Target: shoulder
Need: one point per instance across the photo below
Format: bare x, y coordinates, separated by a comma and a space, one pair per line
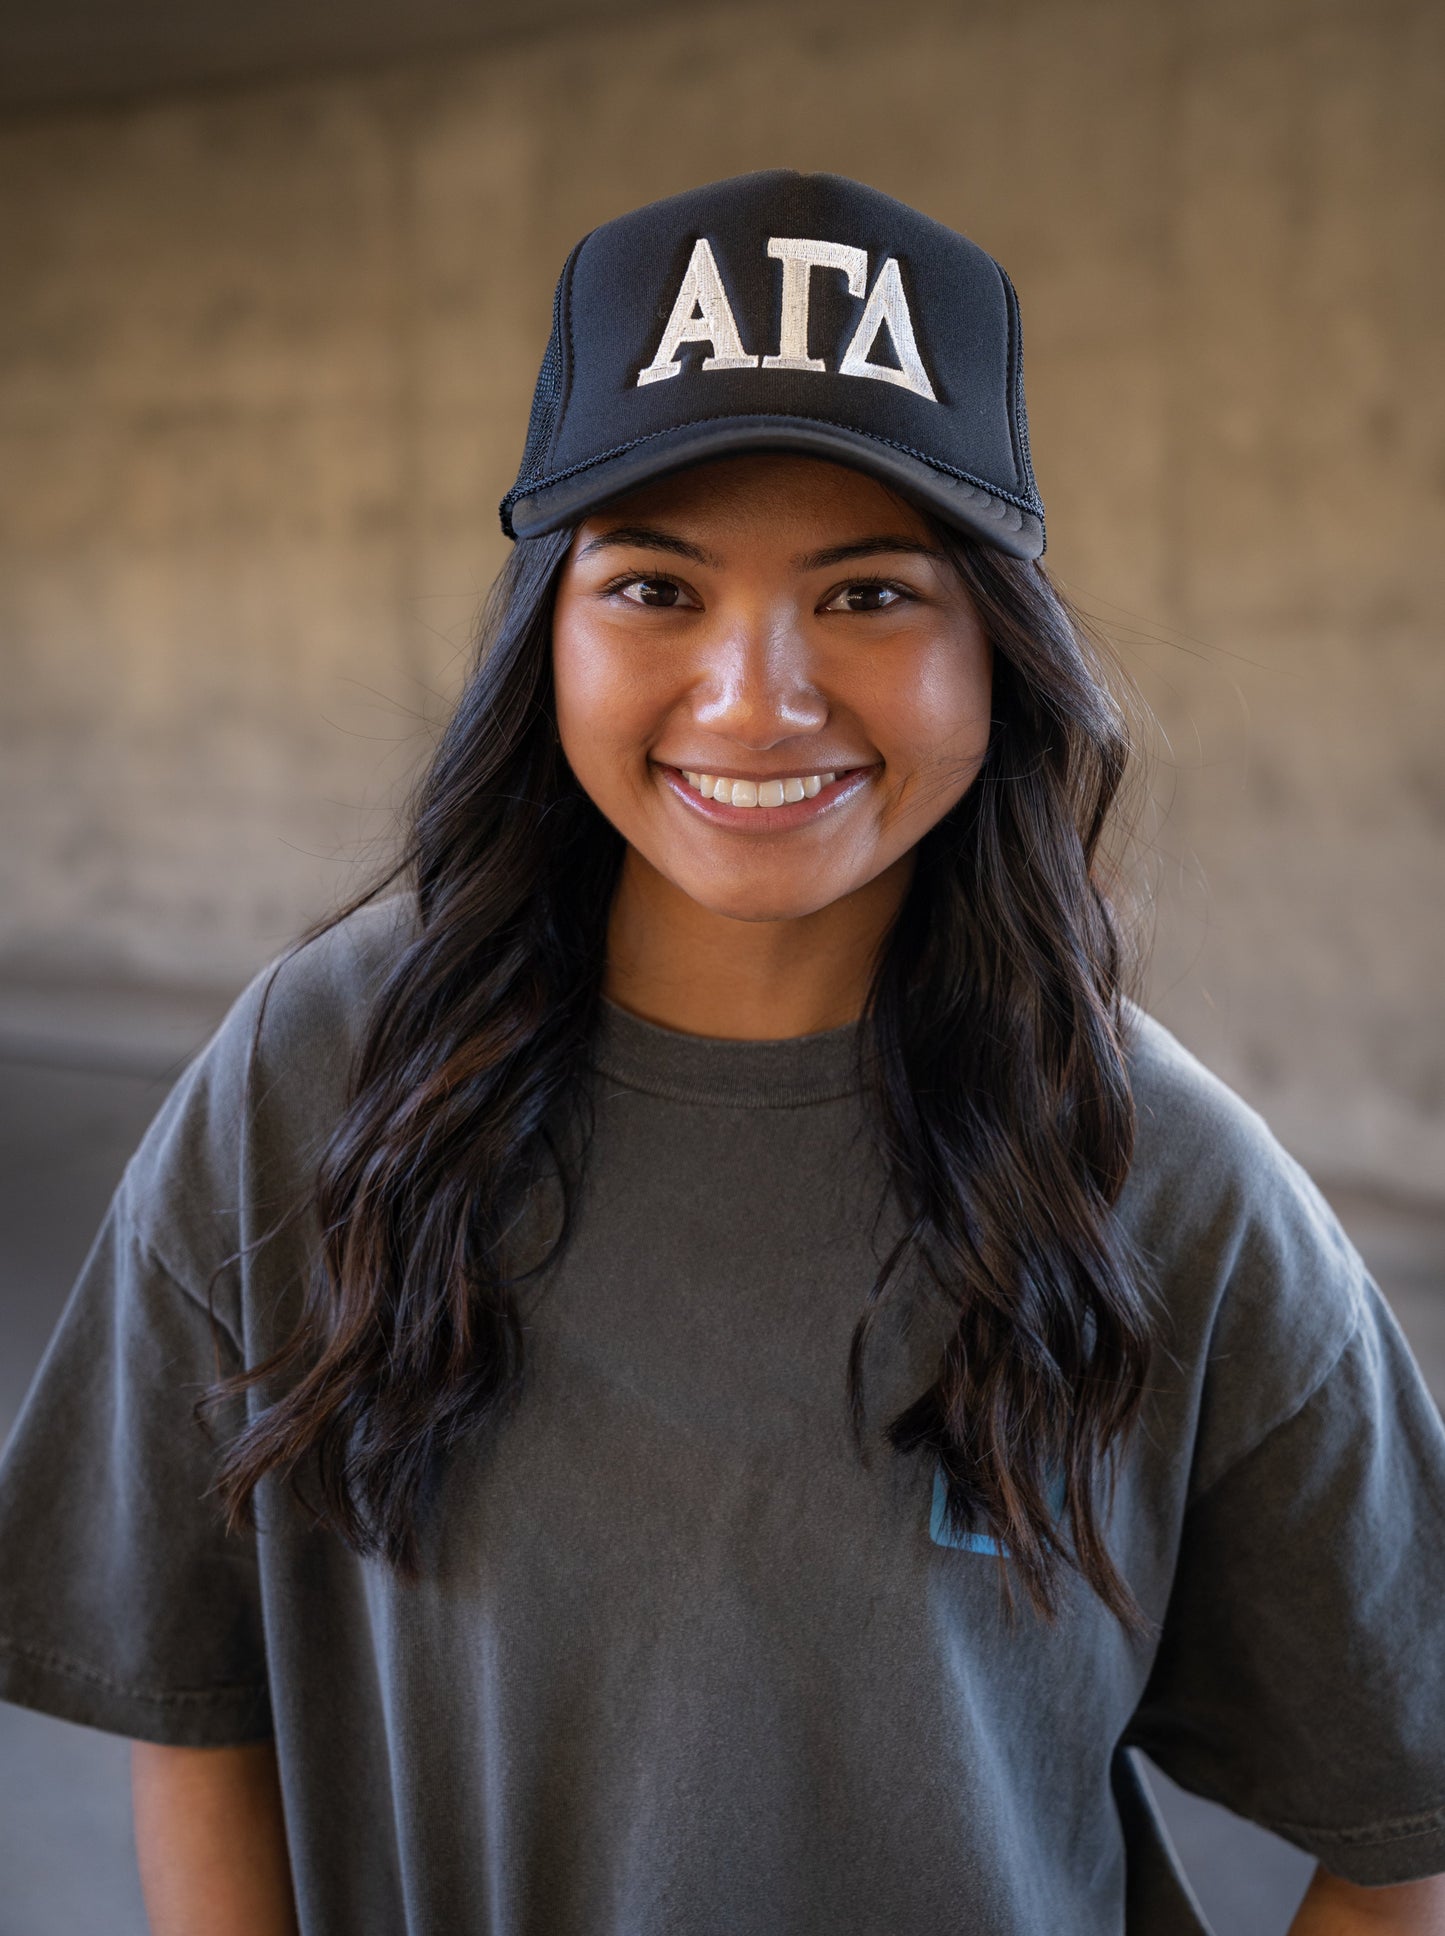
245, 1123
1202, 1153
1186, 1113
1258, 1287
314, 1000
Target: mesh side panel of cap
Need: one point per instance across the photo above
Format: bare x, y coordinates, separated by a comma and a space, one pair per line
544, 407
547, 398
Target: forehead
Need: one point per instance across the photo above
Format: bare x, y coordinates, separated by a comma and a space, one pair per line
770, 491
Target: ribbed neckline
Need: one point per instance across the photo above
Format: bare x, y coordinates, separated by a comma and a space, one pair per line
716, 1069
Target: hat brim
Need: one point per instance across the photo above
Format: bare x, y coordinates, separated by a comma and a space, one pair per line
964, 503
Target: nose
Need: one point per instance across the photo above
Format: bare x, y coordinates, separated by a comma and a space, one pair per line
756, 680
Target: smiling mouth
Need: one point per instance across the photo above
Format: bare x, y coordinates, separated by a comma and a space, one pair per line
759, 793
770, 804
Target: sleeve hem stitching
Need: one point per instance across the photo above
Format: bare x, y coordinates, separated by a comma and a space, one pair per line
73, 1670
1402, 1829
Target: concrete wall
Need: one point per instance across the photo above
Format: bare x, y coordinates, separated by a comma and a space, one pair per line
265, 360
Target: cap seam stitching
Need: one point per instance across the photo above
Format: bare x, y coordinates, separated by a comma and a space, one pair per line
536, 485
568, 271
1013, 360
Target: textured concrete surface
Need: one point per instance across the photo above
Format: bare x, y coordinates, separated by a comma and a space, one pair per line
66, 1861
265, 360
91, 50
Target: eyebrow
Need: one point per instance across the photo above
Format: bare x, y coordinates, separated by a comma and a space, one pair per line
867, 548
643, 537
648, 538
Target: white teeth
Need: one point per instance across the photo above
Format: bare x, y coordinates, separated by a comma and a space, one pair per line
758, 793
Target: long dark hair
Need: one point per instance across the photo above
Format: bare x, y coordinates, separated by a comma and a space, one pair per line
1000, 1099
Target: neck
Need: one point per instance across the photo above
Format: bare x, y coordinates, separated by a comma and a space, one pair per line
684, 966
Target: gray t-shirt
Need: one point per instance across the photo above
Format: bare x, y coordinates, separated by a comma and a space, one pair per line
680, 1662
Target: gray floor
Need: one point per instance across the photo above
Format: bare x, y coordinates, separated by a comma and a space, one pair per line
66, 1862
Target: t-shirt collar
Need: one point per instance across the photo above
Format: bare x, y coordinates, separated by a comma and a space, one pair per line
742, 1074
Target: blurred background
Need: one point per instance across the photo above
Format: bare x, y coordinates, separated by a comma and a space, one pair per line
276, 283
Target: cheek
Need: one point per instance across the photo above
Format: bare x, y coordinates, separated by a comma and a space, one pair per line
601, 700
582, 675
959, 703
938, 710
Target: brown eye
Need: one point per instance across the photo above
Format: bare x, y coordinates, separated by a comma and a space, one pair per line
653, 591
866, 597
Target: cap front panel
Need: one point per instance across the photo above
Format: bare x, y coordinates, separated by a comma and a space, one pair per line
797, 296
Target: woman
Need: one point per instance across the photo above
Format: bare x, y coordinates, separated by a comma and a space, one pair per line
746, 1374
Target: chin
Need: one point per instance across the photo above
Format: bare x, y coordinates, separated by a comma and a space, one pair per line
751, 904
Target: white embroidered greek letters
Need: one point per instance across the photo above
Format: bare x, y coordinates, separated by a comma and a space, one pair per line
799, 258
887, 304
700, 315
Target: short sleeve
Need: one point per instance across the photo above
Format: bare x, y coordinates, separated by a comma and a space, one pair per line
124, 1603
1300, 1678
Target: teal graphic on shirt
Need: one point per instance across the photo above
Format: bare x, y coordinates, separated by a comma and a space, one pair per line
942, 1534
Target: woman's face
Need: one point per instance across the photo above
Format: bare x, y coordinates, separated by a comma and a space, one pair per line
769, 621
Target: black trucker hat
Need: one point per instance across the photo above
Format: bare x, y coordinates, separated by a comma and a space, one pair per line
788, 312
